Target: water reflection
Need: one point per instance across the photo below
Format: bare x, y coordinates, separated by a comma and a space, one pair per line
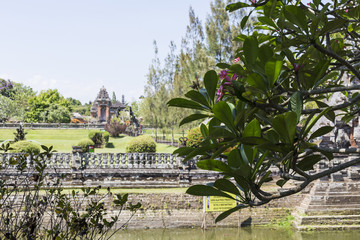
259, 233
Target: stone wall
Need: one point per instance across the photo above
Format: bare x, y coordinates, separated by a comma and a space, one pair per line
182, 210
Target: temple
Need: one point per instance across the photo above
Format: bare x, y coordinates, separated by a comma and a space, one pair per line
103, 109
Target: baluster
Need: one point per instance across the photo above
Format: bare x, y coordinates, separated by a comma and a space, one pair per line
142, 160
130, 158
111, 160
136, 160
117, 160
124, 164
105, 160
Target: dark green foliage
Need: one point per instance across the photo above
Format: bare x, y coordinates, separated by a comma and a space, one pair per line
194, 137
84, 144
20, 134
25, 147
106, 137
96, 137
143, 143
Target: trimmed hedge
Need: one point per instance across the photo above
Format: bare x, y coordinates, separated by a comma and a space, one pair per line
84, 143
106, 137
141, 144
25, 146
96, 137
194, 137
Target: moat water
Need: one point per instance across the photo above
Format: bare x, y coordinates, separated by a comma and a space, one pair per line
245, 233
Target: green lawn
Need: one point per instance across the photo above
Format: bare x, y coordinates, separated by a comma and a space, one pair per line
63, 139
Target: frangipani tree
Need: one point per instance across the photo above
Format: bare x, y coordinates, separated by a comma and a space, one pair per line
296, 57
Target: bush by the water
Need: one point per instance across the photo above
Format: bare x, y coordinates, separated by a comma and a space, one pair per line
96, 137
143, 143
84, 144
26, 146
194, 137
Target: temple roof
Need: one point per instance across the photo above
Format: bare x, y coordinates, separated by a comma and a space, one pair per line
102, 95
118, 104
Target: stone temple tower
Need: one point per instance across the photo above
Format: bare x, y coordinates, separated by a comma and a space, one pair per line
103, 109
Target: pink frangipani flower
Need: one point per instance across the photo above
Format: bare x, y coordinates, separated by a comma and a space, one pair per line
220, 93
223, 74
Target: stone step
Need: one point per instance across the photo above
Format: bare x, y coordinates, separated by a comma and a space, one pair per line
327, 227
330, 220
326, 207
335, 199
334, 211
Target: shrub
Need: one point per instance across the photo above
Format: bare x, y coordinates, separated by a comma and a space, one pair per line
26, 146
106, 137
84, 143
115, 127
143, 143
96, 137
20, 134
194, 137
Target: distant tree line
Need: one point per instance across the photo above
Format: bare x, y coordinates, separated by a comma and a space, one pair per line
21, 103
201, 47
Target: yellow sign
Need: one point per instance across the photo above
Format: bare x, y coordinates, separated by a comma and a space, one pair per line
219, 204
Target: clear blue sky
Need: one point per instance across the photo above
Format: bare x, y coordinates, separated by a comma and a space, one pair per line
77, 46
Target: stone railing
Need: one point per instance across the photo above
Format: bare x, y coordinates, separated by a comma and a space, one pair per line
106, 160
54, 125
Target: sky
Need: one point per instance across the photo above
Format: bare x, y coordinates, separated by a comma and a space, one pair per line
78, 46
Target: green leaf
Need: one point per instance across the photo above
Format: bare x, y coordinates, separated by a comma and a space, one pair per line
183, 151
234, 159
313, 120
296, 104
203, 190
243, 22
228, 212
257, 81
204, 130
210, 80
281, 182
321, 131
220, 132
329, 114
193, 117
214, 165
252, 129
265, 178
333, 25
222, 111
251, 49
272, 70
184, 103
227, 186
285, 126
235, 6
223, 65
297, 16
328, 155
267, 21
308, 162
197, 97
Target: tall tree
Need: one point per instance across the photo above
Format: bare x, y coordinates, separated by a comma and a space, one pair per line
113, 97
39, 106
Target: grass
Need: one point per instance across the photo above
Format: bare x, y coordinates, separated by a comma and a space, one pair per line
64, 139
